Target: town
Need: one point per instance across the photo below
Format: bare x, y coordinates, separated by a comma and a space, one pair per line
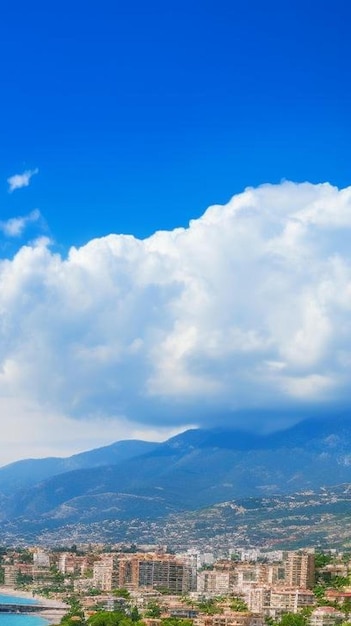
128, 583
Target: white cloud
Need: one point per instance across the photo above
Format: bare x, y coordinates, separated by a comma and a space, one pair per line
28, 431
15, 226
248, 307
17, 181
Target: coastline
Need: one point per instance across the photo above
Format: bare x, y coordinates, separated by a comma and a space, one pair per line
51, 615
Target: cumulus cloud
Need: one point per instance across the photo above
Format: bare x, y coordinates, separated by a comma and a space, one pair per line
17, 181
15, 226
249, 307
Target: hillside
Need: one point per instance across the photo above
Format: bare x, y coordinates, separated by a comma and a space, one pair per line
193, 470
316, 518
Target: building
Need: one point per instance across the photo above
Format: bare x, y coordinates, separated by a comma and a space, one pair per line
213, 582
235, 577
338, 596
275, 601
71, 563
299, 569
10, 575
105, 573
326, 616
41, 558
135, 571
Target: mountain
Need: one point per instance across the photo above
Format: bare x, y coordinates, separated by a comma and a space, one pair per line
320, 518
23, 474
195, 469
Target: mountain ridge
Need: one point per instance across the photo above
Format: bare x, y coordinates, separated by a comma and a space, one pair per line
194, 469
25, 472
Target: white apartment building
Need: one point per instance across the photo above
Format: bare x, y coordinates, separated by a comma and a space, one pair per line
275, 601
105, 573
213, 582
41, 558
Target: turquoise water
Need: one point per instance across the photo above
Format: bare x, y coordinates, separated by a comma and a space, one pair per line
14, 619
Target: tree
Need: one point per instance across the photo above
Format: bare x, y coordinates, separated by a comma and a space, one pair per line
338, 582
210, 607
109, 618
73, 620
132, 549
26, 556
237, 604
319, 592
345, 607
293, 619
135, 615
321, 559
153, 609
121, 593
75, 616
23, 579
176, 621
56, 575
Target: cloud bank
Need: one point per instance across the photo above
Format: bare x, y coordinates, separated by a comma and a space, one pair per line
17, 181
247, 308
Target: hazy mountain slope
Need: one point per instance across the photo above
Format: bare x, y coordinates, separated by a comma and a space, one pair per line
315, 518
195, 469
27, 472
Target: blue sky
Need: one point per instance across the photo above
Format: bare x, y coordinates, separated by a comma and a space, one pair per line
132, 118
139, 115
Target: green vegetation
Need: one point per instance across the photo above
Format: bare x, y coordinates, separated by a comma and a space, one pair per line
339, 582
237, 604
121, 593
25, 555
135, 615
322, 559
75, 615
110, 618
153, 609
210, 606
176, 621
289, 619
293, 619
23, 579
93, 592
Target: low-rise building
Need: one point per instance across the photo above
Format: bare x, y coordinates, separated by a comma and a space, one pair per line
326, 616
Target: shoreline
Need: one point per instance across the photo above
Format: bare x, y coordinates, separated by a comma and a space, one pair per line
50, 615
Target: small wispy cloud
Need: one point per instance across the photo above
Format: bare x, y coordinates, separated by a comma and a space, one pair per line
17, 181
15, 226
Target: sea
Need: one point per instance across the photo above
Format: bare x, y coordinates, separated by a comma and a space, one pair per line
19, 619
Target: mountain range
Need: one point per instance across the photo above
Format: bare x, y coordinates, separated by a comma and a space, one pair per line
137, 480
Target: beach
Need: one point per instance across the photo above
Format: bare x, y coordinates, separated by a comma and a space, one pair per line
54, 612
